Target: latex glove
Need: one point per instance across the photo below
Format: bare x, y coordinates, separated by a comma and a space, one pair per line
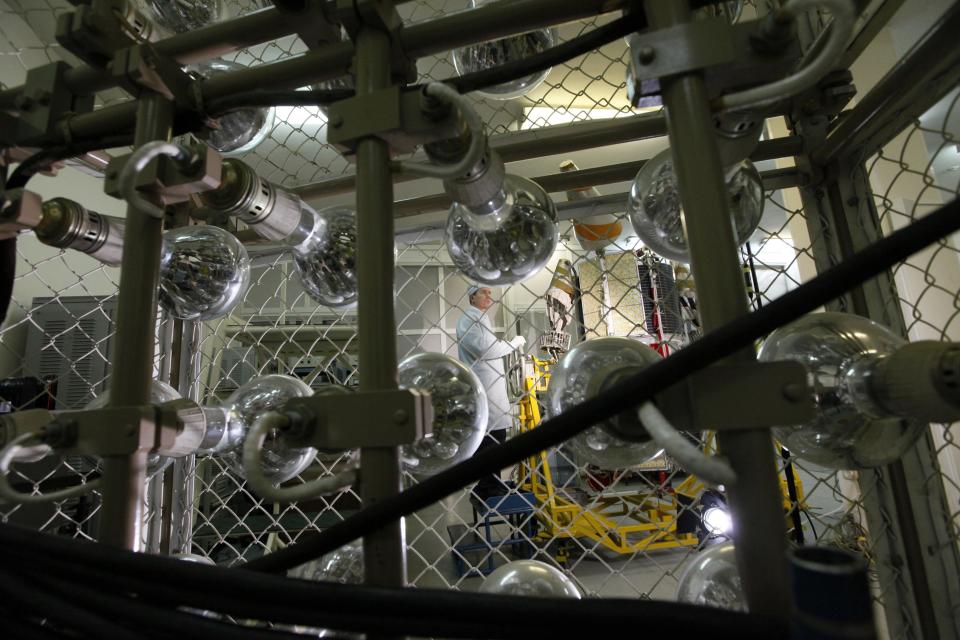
518, 343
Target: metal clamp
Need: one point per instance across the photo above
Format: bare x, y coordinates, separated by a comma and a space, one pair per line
45, 100
404, 119
366, 419
94, 31
168, 179
713, 399
19, 210
726, 53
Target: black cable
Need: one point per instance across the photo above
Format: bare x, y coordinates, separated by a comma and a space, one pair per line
151, 618
46, 157
419, 612
553, 56
813, 529
629, 393
19, 625
8, 257
262, 98
20, 590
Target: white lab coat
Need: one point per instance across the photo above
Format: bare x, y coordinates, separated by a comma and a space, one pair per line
483, 352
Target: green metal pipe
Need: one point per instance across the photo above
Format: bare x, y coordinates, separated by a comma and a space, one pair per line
131, 363
759, 528
332, 61
384, 551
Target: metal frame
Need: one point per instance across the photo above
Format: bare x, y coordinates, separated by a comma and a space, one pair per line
842, 197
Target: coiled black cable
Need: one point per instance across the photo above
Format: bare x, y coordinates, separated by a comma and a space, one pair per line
165, 584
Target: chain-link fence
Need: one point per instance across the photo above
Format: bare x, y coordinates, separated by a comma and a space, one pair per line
616, 532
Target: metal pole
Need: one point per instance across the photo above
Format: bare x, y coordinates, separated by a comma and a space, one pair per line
759, 528
132, 362
384, 551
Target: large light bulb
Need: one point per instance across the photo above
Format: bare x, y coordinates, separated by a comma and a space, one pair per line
530, 578
175, 16
586, 370
711, 579
459, 412
239, 131
324, 242
278, 461
874, 392
160, 392
327, 258
657, 213
507, 239
204, 272
499, 52
343, 566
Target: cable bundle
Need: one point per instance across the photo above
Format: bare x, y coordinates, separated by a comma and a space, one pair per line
100, 592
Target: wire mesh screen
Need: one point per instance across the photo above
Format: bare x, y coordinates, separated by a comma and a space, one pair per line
622, 531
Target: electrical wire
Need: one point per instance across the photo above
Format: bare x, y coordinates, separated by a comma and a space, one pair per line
46, 157
9, 453
810, 73
478, 139
263, 486
813, 529
626, 394
168, 583
262, 98
713, 469
583, 44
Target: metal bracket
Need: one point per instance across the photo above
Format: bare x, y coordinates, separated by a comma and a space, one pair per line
777, 393
315, 26
19, 210
45, 100
681, 49
142, 67
93, 32
365, 419
174, 428
714, 398
166, 180
402, 118
725, 52
382, 15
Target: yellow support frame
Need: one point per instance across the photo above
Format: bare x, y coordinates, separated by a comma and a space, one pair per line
652, 514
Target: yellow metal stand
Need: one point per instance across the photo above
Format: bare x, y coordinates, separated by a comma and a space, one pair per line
630, 522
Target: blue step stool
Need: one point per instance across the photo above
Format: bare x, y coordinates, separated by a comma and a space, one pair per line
515, 509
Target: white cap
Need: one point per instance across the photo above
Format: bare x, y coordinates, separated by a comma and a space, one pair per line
472, 289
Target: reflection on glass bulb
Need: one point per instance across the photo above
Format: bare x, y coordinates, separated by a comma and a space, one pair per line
505, 50
343, 566
711, 579
239, 131
580, 375
204, 272
717, 521
172, 17
509, 242
657, 215
278, 461
530, 578
852, 430
459, 412
327, 259
160, 392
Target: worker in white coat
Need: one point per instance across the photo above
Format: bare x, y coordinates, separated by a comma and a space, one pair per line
483, 352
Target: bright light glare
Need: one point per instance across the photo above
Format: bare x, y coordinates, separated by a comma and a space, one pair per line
717, 521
